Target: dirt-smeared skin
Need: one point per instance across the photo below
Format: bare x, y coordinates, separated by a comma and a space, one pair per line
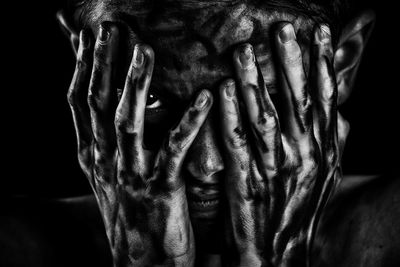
141, 195
194, 41
280, 175
275, 167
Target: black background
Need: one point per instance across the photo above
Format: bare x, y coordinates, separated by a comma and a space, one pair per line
39, 158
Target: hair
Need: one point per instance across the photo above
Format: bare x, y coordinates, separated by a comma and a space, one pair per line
335, 13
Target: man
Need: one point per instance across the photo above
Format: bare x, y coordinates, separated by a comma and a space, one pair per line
178, 176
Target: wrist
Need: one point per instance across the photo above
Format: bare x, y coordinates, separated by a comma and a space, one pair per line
138, 255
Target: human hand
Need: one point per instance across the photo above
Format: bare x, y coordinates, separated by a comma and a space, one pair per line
141, 196
281, 169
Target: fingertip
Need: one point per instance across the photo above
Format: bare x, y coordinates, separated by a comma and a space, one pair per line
285, 33
147, 50
323, 33
323, 42
143, 57
288, 49
138, 57
84, 52
227, 89
203, 100
108, 31
244, 57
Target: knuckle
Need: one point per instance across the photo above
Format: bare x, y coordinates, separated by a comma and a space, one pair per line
310, 166
124, 174
71, 97
332, 159
304, 103
181, 137
272, 171
93, 101
81, 64
174, 144
237, 141
84, 157
267, 123
292, 56
125, 126
240, 48
303, 107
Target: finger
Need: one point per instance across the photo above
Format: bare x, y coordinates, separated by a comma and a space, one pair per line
296, 97
260, 109
238, 152
234, 136
343, 129
102, 96
325, 94
243, 184
170, 158
129, 117
77, 95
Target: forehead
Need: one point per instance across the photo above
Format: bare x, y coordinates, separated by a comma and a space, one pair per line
193, 40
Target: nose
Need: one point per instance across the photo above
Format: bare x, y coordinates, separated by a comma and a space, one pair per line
204, 159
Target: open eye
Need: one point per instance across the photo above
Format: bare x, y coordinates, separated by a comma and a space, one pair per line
153, 102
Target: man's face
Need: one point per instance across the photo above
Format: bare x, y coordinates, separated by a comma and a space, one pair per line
193, 45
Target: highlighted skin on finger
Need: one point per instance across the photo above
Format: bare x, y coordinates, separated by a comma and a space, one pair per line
77, 96
183, 135
102, 101
255, 95
131, 108
170, 158
323, 55
129, 117
325, 95
102, 97
260, 109
234, 135
297, 101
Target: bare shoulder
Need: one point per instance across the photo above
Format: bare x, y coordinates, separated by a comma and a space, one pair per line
40, 232
361, 224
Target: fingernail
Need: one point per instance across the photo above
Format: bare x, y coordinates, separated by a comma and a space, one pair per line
138, 57
287, 34
324, 33
84, 39
202, 100
229, 89
246, 57
104, 34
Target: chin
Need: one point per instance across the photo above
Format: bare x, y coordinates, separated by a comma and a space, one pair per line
207, 225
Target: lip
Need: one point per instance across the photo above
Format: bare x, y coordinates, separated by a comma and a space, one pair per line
203, 201
206, 209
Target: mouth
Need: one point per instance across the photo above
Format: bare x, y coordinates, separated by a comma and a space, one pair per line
203, 201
